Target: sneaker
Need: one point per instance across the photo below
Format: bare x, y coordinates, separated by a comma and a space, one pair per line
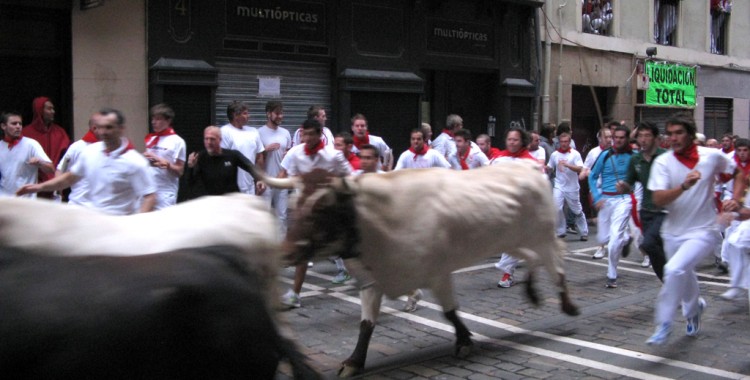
600, 253
571, 230
561, 236
309, 264
412, 300
506, 281
584, 238
611, 283
646, 262
660, 334
626, 248
291, 299
694, 322
731, 294
342, 277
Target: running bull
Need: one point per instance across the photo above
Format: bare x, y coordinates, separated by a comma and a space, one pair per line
94, 295
410, 229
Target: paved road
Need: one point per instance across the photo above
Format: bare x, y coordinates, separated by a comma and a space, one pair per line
515, 340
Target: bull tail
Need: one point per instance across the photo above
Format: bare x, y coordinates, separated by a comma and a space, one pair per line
300, 369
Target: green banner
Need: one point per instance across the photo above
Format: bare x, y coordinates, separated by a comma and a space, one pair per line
670, 85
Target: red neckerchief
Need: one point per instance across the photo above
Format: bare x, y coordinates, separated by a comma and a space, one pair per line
523, 153
688, 157
11, 141
494, 153
744, 166
422, 152
353, 160
358, 142
315, 149
462, 159
128, 147
603, 148
563, 151
731, 149
448, 132
90, 137
153, 138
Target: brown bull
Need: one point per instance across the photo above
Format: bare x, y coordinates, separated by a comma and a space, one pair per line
405, 230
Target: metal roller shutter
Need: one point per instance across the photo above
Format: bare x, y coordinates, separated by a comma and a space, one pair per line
717, 117
658, 115
302, 85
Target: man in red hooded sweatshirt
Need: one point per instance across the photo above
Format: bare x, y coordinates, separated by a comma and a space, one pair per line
53, 139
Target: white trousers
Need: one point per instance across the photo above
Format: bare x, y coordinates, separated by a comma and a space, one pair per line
278, 199
573, 200
612, 227
737, 249
684, 253
507, 263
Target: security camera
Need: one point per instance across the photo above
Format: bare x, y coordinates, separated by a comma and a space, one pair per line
651, 51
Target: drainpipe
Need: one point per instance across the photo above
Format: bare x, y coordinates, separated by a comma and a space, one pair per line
547, 65
560, 64
538, 48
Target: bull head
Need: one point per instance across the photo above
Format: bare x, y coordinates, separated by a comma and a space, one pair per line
324, 222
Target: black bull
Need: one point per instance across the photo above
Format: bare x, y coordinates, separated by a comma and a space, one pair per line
188, 314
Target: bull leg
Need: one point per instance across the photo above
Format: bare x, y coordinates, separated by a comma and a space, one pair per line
444, 292
530, 289
371, 298
554, 266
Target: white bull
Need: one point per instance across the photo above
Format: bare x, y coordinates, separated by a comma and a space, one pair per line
410, 229
238, 221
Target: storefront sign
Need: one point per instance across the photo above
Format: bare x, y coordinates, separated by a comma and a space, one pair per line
459, 37
670, 85
291, 20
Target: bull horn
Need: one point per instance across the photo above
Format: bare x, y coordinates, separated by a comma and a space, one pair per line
279, 183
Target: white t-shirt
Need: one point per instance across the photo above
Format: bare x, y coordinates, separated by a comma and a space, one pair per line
117, 180
541, 155
326, 137
171, 148
444, 145
297, 162
273, 159
79, 190
566, 180
694, 208
247, 141
431, 159
592, 156
14, 168
475, 159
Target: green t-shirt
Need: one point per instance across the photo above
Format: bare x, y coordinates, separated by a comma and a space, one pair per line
638, 171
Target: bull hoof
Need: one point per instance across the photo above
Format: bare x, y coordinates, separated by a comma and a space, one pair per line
570, 309
464, 350
348, 370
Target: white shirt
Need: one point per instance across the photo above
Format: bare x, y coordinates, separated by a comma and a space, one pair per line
592, 156
297, 162
431, 159
444, 145
541, 155
694, 208
14, 168
379, 143
269, 136
359, 172
247, 141
566, 180
79, 190
475, 159
171, 148
117, 180
326, 137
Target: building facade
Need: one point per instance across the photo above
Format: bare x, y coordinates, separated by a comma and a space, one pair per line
596, 53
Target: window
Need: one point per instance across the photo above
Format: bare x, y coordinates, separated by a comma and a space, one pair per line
665, 21
720, 10
597, 16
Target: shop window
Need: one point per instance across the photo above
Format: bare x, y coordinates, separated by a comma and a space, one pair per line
717, 117
597, 17
720, 10
666, 14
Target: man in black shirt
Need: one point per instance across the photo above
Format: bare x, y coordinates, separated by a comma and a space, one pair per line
213, 171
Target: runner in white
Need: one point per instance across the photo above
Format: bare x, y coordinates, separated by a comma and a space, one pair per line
468, 155
166, 152
361, 136
239, 136
276, 142
682, 182
318, 113
79, 190
419, 155
20, 157
444, 143
567, 163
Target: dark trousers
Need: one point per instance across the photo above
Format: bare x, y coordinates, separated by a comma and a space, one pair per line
652, 244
